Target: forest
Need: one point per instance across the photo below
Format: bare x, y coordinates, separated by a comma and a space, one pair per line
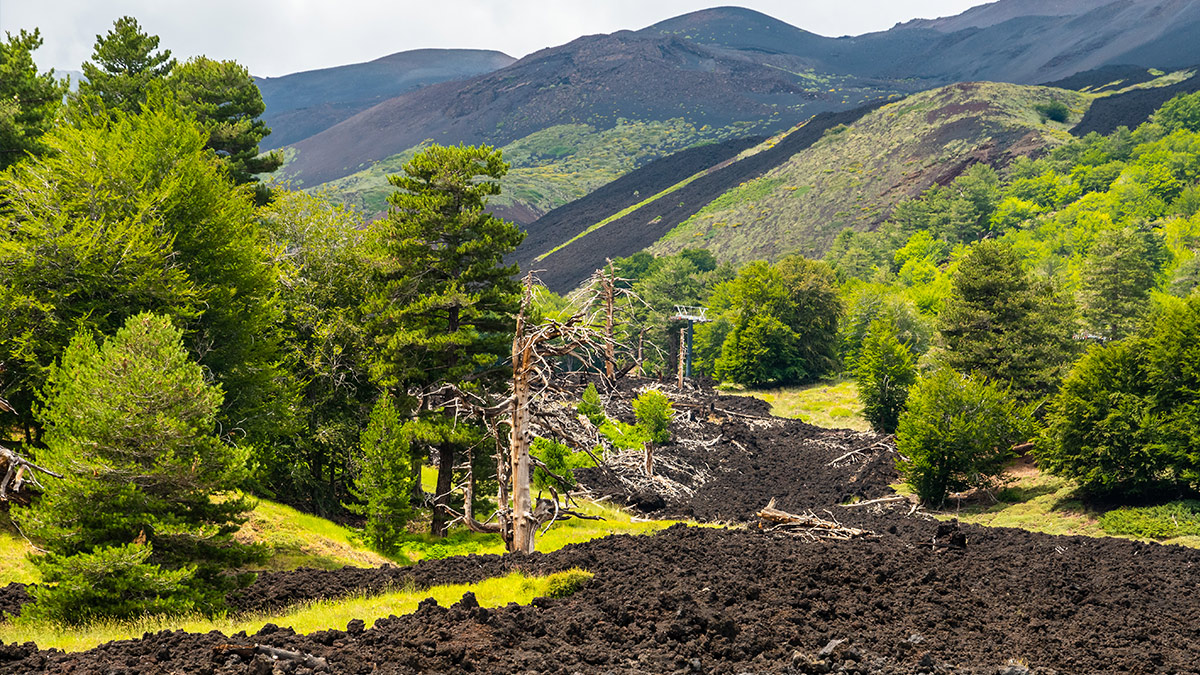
180, 334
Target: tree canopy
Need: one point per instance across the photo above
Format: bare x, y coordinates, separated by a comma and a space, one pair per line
124, 62
29, 100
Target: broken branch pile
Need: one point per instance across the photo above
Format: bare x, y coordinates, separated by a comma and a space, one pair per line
807, 525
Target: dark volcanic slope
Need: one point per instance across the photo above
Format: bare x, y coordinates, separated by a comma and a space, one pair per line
594, 79
302, 104
1131, 108
569, 220
567, 267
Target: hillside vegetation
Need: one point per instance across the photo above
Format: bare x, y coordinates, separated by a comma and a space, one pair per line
856, 174
551, 167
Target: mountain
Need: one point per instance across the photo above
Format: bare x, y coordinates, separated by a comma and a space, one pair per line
795, 192
596, 80
302, 104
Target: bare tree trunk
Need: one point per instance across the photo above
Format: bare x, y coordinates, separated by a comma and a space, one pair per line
610, 358
523, 525
682, 356
445, 477
649, 446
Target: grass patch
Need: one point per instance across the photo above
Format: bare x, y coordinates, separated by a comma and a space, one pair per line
1040, 502
14, 551
825, 404
308, 617
299, 539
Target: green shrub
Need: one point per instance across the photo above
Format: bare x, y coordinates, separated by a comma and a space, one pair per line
956, 433
591, 406
109, 582
1056, 111
560, 459
624, 436
884, 374
653, 412
384, 480
1166, 521
564, 584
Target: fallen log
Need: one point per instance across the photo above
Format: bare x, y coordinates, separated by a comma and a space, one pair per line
807, 525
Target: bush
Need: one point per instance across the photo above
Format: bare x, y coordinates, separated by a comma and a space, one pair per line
1056, 111
112, 582
1176, 519
956, 434
384, 480
564, 584
624, 436
884, 374
591, 406
1127, 420
560, 460
130, 425
653, 412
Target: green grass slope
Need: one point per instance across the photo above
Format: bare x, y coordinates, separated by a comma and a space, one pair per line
550, 167
856, 174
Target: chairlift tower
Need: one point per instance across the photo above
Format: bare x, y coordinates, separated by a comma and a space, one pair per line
692, 315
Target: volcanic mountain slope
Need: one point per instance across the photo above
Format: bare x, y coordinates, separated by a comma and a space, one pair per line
596, 80
836, 171
302, 104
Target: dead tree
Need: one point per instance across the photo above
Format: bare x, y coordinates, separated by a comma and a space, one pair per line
535, 348
614, 297
15, 468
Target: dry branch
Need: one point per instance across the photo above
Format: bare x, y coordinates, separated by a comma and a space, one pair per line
248, 652
14, 474
807, 524
881, 500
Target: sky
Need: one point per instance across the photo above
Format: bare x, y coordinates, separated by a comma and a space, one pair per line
277, 37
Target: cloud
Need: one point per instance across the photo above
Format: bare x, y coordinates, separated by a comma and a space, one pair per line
276, 37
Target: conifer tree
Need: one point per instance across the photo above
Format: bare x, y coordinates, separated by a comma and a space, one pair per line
29, 100
884, 374
123, 64
443, 305
130, 424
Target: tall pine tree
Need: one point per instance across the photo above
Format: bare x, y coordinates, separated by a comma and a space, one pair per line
444, 302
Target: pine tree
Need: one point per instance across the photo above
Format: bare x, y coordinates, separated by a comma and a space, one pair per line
384, 479
1001, 324
227, 103
884, 374
29, 100
443, 305
124, 63
130, 425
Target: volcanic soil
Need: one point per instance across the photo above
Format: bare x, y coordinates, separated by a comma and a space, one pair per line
910, 599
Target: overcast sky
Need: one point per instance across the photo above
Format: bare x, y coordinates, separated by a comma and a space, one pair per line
277, 37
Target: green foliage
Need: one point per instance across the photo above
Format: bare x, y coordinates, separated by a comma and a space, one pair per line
323, 267
383, 483
114, 582
29, 100
443, 301
130, 426
1122, 268
1165, 521
783, 322
956, 434
1001, 324
1181, 112
123, 65
227, 103
591, 406
653, 411
129, 213
1101, 428
1125, 421
1055, 111
884, 374
560, 460
568, 583
624, 436
867, 303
